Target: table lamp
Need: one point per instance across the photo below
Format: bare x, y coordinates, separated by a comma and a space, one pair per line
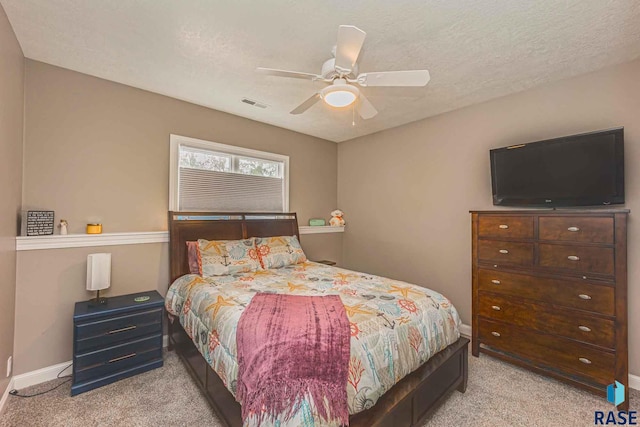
98, 274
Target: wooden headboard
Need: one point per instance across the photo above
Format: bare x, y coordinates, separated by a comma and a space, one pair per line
189, 226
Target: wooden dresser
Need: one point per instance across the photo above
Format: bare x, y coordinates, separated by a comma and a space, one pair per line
550, 293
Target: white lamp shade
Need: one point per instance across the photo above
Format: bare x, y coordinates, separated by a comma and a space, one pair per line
98, 271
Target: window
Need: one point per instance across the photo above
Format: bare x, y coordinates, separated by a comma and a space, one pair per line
207, 176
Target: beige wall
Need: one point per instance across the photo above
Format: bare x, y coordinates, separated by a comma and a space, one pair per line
51, 281
11, 125
95, 148
98, 148
320, 247
406, 192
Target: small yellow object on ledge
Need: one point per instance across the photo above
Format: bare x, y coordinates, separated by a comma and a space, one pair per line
94, 228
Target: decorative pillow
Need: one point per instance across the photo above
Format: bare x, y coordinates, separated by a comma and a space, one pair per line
276, 252
221, 257
193, 258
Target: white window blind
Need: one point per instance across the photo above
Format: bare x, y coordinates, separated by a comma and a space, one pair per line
232, 192
207, 176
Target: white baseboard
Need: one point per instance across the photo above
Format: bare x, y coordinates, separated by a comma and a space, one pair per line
634, 382
51, 372
465, 330
5, 395
41, 375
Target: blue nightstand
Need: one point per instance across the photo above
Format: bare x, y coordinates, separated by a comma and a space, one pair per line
116, 340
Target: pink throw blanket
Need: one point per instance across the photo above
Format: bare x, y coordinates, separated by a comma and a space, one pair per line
293, 347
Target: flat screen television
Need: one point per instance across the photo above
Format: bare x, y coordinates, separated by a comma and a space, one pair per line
577, 170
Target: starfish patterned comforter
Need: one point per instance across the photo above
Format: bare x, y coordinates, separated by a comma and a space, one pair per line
395, 326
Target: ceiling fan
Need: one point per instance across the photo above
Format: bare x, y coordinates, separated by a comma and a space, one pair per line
341, 72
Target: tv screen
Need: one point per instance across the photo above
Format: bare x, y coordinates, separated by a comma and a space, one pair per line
579, 170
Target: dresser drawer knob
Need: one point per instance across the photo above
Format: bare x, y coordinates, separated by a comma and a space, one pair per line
504, 226
117, 359
574, 229
504, 251
496, 307
495, 334
585, 360
495, 281
573, 258
584, 328
585, 296
128, 328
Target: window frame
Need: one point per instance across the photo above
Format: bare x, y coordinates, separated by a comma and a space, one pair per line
175, 141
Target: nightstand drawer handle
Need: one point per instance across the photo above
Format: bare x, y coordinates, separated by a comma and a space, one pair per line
128, 328
128, 356
495, 282
496, 307
584, 328
573, 258
573, 229
585, 360
495, 334
585, 296
504, 226
504, 251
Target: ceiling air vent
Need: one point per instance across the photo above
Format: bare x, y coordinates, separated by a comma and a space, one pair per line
254, 103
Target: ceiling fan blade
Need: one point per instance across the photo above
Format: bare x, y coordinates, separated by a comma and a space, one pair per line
306, 104
285, 73
395, 78
366, 108
350, 40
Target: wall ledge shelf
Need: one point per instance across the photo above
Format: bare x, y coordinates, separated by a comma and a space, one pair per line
320, 229
57, 241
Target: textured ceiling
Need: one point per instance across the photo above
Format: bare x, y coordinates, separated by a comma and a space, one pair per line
206, 51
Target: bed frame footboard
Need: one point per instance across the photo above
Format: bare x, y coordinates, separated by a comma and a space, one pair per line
406, 404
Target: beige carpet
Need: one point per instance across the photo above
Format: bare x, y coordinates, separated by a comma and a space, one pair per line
498, 395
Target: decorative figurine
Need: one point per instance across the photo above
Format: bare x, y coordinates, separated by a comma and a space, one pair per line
63, 226
337, 219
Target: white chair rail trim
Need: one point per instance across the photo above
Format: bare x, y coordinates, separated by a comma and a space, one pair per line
307, 229
56, 241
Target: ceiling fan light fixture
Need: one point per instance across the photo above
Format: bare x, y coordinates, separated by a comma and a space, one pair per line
340, 98
340, 94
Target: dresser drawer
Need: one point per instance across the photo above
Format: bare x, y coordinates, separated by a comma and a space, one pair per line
116, 358
570, 324
565, 292
105, 332
576, 229
553, 352
512, 253
586, 259
519, 227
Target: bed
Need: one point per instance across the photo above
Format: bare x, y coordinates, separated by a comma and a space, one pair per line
395, 378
